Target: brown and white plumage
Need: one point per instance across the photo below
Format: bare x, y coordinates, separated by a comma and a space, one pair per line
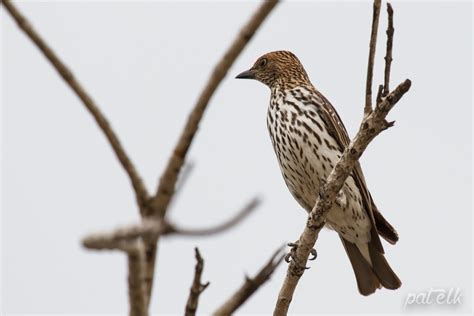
309, 137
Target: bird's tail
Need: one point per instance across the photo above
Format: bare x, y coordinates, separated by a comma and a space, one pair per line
373, 274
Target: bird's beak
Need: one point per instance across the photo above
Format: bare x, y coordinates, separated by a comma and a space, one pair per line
248, 74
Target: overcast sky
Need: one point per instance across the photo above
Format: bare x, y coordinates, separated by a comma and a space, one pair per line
145, 64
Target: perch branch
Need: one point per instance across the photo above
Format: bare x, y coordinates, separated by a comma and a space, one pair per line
197, 287
388, 55
373, 123
137, 183
370, 66
250, 286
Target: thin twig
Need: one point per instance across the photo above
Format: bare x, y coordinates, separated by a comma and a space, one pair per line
236, 219
137, 183
370, 66
151, 229
166, 187
250, 285
197, 287
388, 55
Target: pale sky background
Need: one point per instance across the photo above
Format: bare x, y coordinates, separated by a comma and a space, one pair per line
145, 64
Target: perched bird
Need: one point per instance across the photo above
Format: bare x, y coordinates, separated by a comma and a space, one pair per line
309, 137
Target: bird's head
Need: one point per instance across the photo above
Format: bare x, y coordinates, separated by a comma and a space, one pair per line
281, 68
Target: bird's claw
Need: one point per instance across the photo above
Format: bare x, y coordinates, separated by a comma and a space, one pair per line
314, 254
291, 256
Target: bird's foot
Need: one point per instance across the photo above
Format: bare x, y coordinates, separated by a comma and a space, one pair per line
291, 256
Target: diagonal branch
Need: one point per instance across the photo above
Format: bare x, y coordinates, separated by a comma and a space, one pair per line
250, 286
370, 66
373, 123
197, 287
166, 187
137, 183
370, 127
169, 177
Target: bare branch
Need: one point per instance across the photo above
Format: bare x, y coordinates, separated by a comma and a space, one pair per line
236, 219
197, 287
370, 66
251, 285
151, 229
137, 183
388, 55
168, 179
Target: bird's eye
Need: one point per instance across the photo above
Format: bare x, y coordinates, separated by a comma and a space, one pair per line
262, 62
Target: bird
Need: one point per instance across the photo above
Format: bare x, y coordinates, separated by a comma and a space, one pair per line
309, 137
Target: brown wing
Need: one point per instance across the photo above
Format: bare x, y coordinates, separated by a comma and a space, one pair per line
338, 131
